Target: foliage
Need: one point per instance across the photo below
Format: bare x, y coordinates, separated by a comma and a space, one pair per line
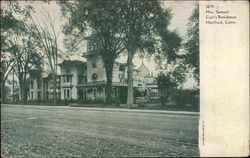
165, 82
18, 47
192, 44
185, 97
145, 24
101, 19
121, 26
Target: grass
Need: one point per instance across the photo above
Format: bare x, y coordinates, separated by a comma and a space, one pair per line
55, 132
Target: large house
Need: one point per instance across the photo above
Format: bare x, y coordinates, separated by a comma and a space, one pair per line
86, 81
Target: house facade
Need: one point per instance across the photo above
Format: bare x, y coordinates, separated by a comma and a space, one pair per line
86, 81
40, 86
144, 82
94, 83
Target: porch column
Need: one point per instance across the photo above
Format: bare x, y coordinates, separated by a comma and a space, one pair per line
104, 94
117, 93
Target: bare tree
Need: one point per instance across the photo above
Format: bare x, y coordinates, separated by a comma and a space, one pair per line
48, 37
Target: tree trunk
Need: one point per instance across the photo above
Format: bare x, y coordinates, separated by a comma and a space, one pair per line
3, 96
109, 64
20, 78
54, 88
25, 89
130, 79
23, 86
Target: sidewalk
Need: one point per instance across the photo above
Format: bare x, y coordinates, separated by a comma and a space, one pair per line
112, 109
139, 111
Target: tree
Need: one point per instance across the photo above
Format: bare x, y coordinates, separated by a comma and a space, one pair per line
101, 18
192, 44
13, 38
7, 64
140, 25
165, 84
27, 57
47, 36
145, 24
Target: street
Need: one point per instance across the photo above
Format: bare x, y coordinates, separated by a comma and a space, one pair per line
47, 131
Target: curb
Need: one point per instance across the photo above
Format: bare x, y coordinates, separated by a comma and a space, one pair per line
112, 109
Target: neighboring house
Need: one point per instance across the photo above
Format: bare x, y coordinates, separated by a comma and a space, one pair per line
144, 82
35, 85
41, 87
48, 87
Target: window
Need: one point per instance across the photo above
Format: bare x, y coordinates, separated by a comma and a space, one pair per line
31, 85
84, 78
64, 92
39, 84
93, 64
58, 84
58, 95
94, 76
94, 93
31, 95
68, 79
67, 93
51, 85
80, 79
121, 68
38, 95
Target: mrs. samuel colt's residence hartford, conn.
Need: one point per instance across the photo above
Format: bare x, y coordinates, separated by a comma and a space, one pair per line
86, 81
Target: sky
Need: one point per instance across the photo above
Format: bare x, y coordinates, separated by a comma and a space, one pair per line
181, 11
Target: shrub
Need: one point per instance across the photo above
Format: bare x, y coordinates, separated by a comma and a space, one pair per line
185, 97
